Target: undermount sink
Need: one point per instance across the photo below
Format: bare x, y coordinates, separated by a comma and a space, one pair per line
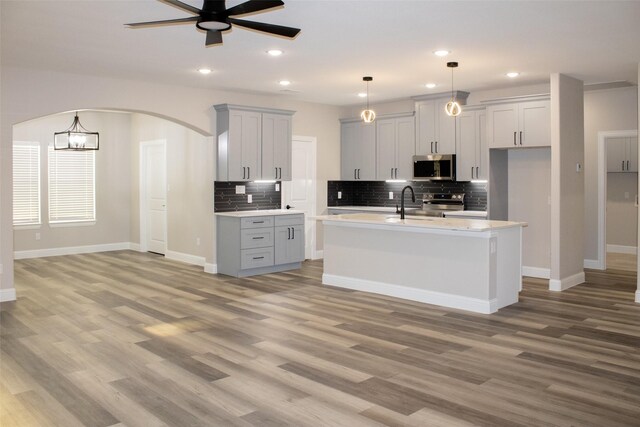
394, 218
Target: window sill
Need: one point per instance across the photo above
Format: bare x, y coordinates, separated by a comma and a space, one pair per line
72, 224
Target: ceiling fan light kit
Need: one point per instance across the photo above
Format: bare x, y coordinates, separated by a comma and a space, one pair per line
214, 18
452, 108
368, 115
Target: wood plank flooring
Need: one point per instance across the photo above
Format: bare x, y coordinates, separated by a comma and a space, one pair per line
125, 338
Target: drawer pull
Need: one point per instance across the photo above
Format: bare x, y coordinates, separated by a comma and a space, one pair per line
258, 222
258, 257
258, 238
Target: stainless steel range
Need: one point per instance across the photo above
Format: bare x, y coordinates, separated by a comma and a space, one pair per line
435, 204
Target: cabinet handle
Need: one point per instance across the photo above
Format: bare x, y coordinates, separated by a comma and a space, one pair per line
258, 222
520, 137
248, 172
432, 146
436, 147
288, 233
280, 173
477, 172
355, 174
257, 238
623, 165
471, 172
396, 173
244, 172
358, 173
258, 257
514, 138
391, 173
293, 233
627, 164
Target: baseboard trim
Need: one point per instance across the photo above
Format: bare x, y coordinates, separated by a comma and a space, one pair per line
134, 247
593, 264
7, 295
210, 268
71, 250
318, 255
538, 272
621, 249
567, 282
420, 295
186, 258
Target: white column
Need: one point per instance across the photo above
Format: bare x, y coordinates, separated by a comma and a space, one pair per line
638, 241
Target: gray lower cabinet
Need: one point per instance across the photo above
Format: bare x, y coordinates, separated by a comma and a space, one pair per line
259, 244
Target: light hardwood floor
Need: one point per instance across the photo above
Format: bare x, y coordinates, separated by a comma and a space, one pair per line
125, 338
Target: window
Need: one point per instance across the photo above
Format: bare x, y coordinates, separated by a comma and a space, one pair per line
71, 186
26, 183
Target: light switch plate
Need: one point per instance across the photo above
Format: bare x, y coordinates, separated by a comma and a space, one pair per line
277, 187
339, 194
249, 198
240, 189
391, 195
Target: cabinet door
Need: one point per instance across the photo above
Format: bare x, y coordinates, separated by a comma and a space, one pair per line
245, 133
446, 130
482, 153
426, 127
348, 145
502, 126
276, 147
366, 152
386, 148
616, 154
535, 124
289, 244
405, 147
467, 151
632, 155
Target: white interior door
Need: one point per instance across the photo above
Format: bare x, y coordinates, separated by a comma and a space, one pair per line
300, 192
153, 191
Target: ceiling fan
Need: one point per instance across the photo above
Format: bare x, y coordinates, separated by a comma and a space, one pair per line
214, 18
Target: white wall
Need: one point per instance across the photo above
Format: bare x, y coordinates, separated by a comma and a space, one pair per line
604, 110
112, 182
190, 176
28, 94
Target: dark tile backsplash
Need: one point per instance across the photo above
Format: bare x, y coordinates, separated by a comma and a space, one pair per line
376, 193
264, 196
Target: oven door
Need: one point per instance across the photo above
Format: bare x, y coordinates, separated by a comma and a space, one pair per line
436, 167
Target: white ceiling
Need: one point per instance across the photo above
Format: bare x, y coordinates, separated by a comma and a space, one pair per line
340, 42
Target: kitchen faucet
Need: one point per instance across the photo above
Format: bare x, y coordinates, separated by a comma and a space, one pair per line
413, 199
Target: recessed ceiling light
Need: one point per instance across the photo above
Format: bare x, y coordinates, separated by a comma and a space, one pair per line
275, 52
362, 95
204, 70
284, 82
441, 52
513, 74
430, 85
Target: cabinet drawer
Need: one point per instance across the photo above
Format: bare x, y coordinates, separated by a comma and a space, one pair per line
294, 219
256, 238
256, 222
253, 258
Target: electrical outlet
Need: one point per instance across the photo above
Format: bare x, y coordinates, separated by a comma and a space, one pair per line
391, 195
240, 189
197, 241
37, 236
578, 167
339, 195
249, 198
277, 187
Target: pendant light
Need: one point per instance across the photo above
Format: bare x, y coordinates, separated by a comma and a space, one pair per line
76, 138
368, 115
452, 108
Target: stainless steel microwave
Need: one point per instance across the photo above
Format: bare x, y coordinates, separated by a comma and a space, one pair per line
434, 167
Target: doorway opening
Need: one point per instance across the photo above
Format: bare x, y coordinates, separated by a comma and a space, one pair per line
618, 200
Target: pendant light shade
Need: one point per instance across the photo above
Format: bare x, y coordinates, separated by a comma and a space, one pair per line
452, 108
368, 115
76, 138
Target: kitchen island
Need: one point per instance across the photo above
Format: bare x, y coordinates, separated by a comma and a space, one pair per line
467, 264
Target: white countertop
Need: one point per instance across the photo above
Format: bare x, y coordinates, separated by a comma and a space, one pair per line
465, 213
369, 208
265, 212
421, 222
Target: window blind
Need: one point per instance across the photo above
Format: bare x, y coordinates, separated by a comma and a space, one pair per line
26, 183
71, 186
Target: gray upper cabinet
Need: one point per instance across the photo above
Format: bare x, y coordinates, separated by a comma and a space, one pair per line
435, 130
524, 123
622, 154
253, 143
471, 151
395, 147
358, 150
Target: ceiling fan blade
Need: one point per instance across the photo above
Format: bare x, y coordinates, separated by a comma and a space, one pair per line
213, 37
165, 22
267, 28
253, 6
182, 6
